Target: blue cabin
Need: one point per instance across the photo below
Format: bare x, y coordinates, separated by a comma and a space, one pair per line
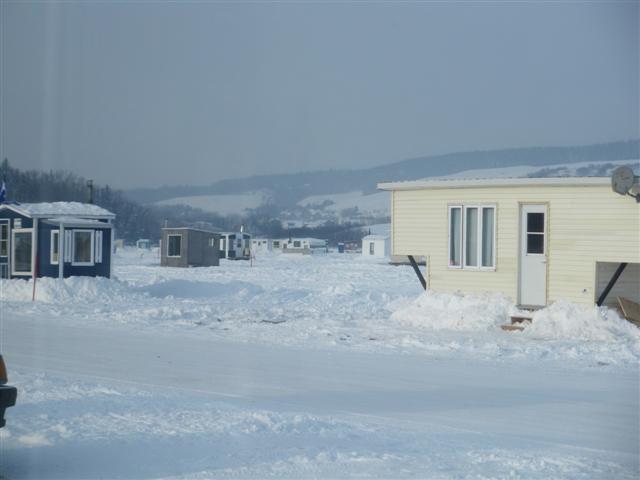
59, 239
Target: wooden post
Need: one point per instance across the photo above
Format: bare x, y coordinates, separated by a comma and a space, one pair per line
611, 283
34, 256
418, 272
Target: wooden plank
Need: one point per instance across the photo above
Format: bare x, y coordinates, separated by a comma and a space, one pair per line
630, 310
512, 328
520, 319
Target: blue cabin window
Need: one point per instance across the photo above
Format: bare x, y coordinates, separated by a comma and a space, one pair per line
82, 248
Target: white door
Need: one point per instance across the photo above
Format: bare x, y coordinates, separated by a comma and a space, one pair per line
533, 255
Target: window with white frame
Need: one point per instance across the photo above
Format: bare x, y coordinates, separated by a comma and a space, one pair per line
372, 248
55, 247
174, 245
83, 247
472, 231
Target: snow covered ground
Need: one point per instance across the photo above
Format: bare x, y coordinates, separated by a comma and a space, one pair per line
308, 366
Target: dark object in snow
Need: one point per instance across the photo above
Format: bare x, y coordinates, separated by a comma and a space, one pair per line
416, 269
8, 394
611, 283
274, 321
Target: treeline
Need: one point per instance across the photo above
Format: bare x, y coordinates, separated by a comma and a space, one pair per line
134, 221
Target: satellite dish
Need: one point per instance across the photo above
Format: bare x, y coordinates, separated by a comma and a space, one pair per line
622, 180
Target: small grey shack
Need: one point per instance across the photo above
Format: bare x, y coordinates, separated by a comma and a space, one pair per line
189, 247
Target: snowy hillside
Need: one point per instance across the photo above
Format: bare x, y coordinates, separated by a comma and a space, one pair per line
353, 206
222, 204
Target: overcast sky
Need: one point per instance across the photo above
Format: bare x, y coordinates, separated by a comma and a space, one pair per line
151, 93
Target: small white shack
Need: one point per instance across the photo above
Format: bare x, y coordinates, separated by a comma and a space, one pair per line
261, 245
235, 245
537, 240
376, 246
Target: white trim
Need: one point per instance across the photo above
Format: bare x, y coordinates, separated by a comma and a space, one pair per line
98, 246
494, 182
168, 243
68, 244
91, 262
449, 208
12, 261
61, 251
51, 244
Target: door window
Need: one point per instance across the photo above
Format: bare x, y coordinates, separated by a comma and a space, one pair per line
535, 233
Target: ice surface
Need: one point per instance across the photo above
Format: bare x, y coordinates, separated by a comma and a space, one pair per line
326, 366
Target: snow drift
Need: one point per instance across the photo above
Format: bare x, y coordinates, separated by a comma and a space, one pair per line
486, 312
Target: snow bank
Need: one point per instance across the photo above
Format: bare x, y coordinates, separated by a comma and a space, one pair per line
565, 320
560, 321
442, 311
70, 290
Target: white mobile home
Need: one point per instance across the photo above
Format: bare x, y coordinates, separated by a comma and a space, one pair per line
537, 240
305, 246
376, 246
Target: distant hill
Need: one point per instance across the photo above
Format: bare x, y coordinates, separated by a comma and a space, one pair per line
287, 189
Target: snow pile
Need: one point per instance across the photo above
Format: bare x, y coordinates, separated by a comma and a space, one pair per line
70, 291
561, 320
565, 320
443, 311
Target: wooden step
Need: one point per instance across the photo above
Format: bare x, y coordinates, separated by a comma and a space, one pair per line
512, 328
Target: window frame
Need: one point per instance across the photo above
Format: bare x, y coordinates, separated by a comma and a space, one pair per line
480, 238
54, 233
15, 273
92, 247
7, 224
169, 235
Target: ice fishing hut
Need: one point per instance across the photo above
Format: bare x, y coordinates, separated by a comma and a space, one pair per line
235, 245
376, 246
58, 239
537, 240
189, 247
143, 244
